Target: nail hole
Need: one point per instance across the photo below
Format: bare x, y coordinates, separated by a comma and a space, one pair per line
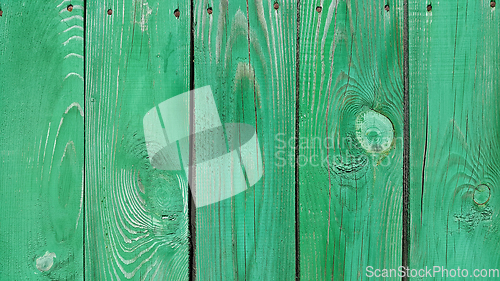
276, 5
177, 13
319, 9
209, 10
429, 8
110, 12
386, 7
493, 4
70, 7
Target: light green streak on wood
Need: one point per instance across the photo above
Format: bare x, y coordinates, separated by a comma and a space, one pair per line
41, 141
248, 59
350, 194
454, 134
136, 214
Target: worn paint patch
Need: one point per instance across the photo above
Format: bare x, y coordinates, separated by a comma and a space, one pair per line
45, 262
374, 131
472, 219
146, 11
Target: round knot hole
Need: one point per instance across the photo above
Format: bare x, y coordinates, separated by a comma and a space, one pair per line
482, 194
374, 131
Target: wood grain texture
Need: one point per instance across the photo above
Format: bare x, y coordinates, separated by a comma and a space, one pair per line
41, 140
246, 52
455, 135
350, 138
136, 214
84, 197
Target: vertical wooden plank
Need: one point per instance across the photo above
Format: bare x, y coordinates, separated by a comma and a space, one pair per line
245, 52
136, 209
41, 140
454, 136
350, 141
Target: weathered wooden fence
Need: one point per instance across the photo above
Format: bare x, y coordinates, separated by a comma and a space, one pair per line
334, 138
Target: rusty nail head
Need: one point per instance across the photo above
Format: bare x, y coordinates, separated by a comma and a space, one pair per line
1, 13
209, 10
177, 13
386, 7
319, 9
110, 12
429, 8
493, 4
276, 5
70, 7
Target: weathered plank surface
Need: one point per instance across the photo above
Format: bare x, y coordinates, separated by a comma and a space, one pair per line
136, 212
41, 141
245, 51
350, 138
454, 135
123, 213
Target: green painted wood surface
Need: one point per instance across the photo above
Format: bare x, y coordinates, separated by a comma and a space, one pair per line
136, 215
350, 138
455, 146
132, 217
41, 139
246, 53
